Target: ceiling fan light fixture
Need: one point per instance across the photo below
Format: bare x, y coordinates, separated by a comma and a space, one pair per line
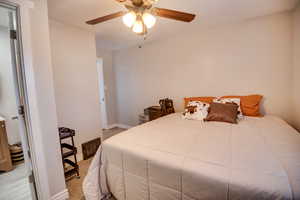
129, 19
138, 27
149, 20
141, 15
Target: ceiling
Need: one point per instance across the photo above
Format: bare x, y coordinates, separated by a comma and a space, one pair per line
113, 34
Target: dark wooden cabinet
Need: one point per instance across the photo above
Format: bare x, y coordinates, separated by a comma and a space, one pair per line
5, 159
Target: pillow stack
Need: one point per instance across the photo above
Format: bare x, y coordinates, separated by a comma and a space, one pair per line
222, 109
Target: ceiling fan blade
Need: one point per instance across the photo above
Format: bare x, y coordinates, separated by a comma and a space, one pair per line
129, 7
106, 18
173, 14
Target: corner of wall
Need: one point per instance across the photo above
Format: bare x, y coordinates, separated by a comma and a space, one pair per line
296, 67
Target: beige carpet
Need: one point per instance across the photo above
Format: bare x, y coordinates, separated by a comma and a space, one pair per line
75, 185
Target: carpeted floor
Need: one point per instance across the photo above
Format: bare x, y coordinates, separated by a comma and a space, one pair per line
75, 185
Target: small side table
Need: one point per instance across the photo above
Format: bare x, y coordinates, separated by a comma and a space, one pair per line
154, 112
67, 150
143, 118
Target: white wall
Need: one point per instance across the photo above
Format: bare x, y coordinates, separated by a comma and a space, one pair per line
39, 78
109, 81
8, 106
249, 57
76, 81
296, 72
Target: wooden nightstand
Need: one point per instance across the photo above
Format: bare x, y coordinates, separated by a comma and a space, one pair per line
143, 118
154, 112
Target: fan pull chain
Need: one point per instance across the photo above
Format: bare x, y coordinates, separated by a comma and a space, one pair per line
144, 39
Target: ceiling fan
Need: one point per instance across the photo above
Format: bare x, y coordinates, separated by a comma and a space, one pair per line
140, 15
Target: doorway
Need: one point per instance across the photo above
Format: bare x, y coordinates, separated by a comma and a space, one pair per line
16, 177
102, 92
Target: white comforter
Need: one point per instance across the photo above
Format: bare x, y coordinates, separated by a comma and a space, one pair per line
175, 159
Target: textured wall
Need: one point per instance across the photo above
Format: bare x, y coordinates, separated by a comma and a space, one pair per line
253, 56
76, 80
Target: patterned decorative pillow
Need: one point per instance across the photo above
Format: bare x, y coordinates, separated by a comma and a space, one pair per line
196, 110
236, 101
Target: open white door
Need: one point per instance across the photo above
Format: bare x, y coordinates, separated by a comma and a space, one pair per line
102, 89
22, 185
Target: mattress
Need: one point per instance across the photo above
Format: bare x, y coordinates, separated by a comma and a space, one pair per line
175, 159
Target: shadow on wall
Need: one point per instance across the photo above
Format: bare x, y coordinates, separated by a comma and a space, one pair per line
262, 106
1, 89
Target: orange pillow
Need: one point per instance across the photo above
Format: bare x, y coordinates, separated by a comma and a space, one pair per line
249, 104
202, 99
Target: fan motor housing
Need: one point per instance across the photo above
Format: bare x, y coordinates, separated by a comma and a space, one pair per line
138, 3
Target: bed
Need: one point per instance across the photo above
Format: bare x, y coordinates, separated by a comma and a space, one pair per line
175, 159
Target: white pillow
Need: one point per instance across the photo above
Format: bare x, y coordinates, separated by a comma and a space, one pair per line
231, 100
200, 111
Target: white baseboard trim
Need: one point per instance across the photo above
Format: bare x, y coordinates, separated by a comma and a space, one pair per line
124, 126
119, 126
112, 126
63, 195
79, 156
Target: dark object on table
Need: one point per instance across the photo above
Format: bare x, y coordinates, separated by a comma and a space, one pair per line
67, 150
90, 148
167, 106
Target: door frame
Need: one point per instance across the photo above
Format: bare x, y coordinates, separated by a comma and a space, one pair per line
35, 139
102, 97
20, 94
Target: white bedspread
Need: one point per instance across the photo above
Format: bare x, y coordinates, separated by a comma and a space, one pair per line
175, 159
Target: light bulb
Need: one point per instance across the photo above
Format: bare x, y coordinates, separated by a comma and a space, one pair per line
129, 19
149, 20
138, 27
